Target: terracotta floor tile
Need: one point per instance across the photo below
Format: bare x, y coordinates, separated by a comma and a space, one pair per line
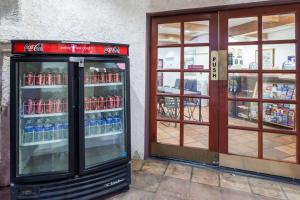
235, 182
228, 194
146, 182
162, 196
266, 188
154, 167
292, 191
136, 165
204, 192
205, 176
179, 171
134, 194
173, 187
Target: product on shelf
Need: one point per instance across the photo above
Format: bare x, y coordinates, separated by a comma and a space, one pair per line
280, 114
49, 106
101, 77
100, 103
39, 106
279, 91
110, 103
109, 77
48, 78
28, 107
117, 77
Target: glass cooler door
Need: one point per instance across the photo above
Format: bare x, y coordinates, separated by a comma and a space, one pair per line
43, 139
104, 112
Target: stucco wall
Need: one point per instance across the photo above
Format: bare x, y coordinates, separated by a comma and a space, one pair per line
96, 20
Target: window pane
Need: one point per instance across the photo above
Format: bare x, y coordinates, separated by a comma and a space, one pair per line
279, 86
242, 57
279, 116
196, 58
196, 83
242, 85
279, 57
168, 82
196, 109
168, 132
242, 29
169, 33
196, 32
168, 58
243, 142
168, 107
196, 136
279, 147
278, 27
242, 113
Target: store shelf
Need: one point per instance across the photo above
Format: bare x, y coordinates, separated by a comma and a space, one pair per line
102, 84
103, 135
44, 87
273, 123
44, 115
43, 142
106, 110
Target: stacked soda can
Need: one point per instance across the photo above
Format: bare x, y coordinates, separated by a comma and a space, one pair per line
101, 103
42, 78
101, 77
39, 106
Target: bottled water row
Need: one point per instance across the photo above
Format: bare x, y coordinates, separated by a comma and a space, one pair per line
97, 125
45, 130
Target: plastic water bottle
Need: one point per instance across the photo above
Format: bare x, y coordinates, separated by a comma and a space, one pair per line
28, 132
48, 130
109, 123
57, 129
39, 131
117, 123
86, 126
93, 125
65, 129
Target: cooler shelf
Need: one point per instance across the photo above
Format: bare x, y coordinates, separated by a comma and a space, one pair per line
105, 110
44, 87
102, 84
104, 134
43, 142
44, 115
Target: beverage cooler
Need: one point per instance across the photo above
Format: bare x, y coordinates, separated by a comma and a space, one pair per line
70, 119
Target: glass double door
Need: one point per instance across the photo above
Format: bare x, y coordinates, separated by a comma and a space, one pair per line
62, 109
249, 112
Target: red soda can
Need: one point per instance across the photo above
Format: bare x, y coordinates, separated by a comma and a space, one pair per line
58, 79
117, 101
58, 108
29, 79
65, 78
87, 103
94, 77
110, 102
39, 79
95, 103
109, 77
86, 78
117, 77
39, 106
101, 77
48, 78
64, 105
101, 103
49, 108
28, 107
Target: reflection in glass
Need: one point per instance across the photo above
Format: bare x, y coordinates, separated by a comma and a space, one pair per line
243, 142
168, 107
279, 57
242, 57
279, 86
104, 122
242, 113
168, 132
196, 57
242, 29
196, 32
196, 83
169, 33
242, 85
279, 27
196, 136
196, 109
279, 147
279, 116
43, 118
168, 82
168, 58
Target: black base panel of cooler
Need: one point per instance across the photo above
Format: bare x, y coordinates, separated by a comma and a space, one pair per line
92, 186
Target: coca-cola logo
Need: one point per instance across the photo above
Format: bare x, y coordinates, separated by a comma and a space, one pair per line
33, 47
111, 50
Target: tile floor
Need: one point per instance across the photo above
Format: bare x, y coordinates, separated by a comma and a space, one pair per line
163, 180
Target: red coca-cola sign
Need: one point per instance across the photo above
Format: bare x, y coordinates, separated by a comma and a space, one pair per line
111, 50
33, 47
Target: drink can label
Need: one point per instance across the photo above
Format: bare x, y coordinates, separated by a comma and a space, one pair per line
58, 106
95, 77
39, 106
49, 108
101, 103
29, 79
64, 105
117, 77
58, 79
95, 102
39, 79
109, 77
102, 77
110, 102
28, 107
117, 101
87, 103
48, 78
